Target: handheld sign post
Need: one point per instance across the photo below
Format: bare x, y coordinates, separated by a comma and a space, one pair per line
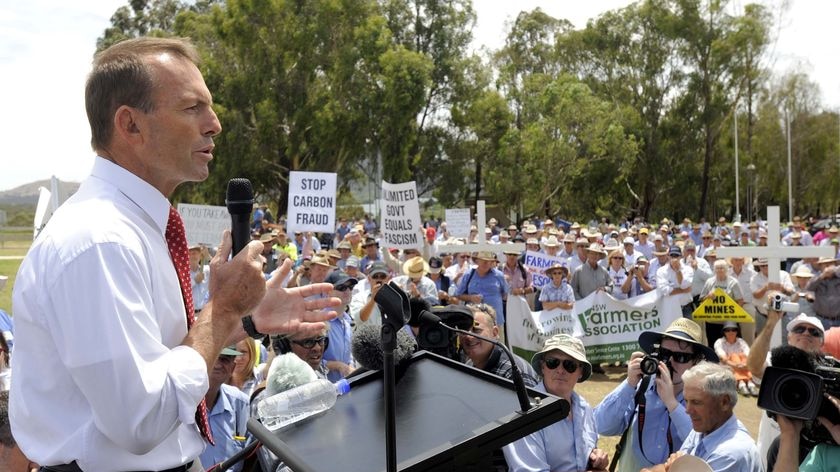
775, 252
721, 307
482, 244
311, 202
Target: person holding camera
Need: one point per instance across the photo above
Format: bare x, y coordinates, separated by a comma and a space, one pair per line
648, 408
639, 283
823, 457
803, 332
718, 438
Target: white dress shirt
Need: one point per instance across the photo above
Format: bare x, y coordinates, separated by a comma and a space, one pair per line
666, 281
100, 376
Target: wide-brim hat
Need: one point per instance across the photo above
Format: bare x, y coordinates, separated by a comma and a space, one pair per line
322, 261
266, 238
554, 268
596, 248
370, 242
682, 329
511, 252
344, 245
551, 241
803, 272
826, 260
230, 351
485, 256
571, 346
415, 267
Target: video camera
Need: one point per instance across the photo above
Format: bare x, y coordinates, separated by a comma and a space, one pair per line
798, 392
437, 339
778, 302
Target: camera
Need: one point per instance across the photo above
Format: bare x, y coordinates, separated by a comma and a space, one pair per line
650, 363
778, 302
439, 340
799, 394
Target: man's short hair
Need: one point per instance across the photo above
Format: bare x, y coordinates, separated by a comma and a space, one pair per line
483, 308
714, 379
121, 75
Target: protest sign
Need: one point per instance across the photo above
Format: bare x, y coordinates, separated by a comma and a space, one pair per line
204, 224
401, 226
311, 202
609, 328
721, 307
537, 262
458, 222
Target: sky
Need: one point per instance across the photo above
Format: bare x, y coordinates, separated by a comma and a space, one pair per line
46, 48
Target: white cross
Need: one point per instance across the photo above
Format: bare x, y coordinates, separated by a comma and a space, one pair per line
482, 244
775, 252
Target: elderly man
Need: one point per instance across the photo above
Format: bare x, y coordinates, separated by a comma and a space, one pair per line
675, 279
660, 426
338, 357
363, 308
743, 274
229, 413
826, 288
718, 438
760, 286
644, 245
485, 284
371, 249
112, 265
591, 276
414, 281
489, 357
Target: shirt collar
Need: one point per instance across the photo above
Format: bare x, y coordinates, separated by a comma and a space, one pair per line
711, 440
143, 194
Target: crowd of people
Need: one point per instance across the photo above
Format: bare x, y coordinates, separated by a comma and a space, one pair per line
128, 349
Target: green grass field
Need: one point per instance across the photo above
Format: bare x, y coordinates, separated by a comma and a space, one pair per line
13, 244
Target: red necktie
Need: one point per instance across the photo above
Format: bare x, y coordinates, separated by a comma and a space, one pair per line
176, 240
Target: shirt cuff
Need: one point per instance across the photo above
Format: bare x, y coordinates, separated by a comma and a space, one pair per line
190, 380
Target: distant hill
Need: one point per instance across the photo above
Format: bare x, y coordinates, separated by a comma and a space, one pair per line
27, 194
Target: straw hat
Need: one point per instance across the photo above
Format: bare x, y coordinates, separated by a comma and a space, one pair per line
596, 248
415, 267
682, 329
554, 268
485, 256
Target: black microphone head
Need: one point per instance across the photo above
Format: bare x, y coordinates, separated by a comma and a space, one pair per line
457, 316
240, 196
790, 357
418, 306
367, 346
426, 317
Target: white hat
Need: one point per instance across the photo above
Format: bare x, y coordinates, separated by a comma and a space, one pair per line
805, 319
629, 240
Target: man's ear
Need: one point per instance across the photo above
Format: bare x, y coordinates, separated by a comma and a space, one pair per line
127, 125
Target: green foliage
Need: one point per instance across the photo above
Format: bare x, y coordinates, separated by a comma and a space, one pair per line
632, 115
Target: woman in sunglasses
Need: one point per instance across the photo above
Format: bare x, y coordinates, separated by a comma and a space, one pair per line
569, 444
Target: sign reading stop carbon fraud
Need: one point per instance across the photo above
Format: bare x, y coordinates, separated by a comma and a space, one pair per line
311, 201
400, 216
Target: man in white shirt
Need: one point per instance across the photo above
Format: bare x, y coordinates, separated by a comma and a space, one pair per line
675, 279
108, 376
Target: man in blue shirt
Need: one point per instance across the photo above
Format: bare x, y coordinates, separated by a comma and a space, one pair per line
665, 423
228, 413
485, 284
718, 438
337, 353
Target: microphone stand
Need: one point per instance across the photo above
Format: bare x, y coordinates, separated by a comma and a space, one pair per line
389, 343
518, 383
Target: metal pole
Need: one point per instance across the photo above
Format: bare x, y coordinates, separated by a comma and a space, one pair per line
737, 176
790, 167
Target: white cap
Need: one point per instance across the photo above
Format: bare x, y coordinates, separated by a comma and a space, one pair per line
805, 319
629, 240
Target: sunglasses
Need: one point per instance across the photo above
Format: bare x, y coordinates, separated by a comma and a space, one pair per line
227, 359
379, 277
311, 342
617, 258
812, 331
679, 357
568, 365
733, 330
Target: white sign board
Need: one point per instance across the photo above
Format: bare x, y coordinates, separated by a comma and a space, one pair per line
204, 224
312, 201
537, 262
458, 222
400, 216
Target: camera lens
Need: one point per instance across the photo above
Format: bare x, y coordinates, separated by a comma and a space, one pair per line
649, 365
794, 394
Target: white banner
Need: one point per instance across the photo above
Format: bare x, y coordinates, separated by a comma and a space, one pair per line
204, 224
401, 227
458, 222
609, 328
312, 201
537, 262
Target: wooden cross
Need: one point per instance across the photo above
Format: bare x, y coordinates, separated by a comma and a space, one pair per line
775, 252
482, 244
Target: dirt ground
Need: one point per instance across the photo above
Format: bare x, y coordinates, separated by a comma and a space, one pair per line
599, 385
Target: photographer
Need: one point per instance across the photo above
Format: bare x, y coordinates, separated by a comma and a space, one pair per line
823, 457
656, 421
803, 332
639, 278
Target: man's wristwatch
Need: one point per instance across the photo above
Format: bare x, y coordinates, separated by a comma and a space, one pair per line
250, 329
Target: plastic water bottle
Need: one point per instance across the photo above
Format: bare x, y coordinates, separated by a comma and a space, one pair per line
300, 402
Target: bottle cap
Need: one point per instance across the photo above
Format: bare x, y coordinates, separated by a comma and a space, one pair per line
342, 386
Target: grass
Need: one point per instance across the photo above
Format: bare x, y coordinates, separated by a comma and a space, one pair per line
12, 244
8, 267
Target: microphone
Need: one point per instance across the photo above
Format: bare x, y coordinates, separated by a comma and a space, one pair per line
518, 383
418, 306
367, 348
286, 372
240, 201
790, 357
